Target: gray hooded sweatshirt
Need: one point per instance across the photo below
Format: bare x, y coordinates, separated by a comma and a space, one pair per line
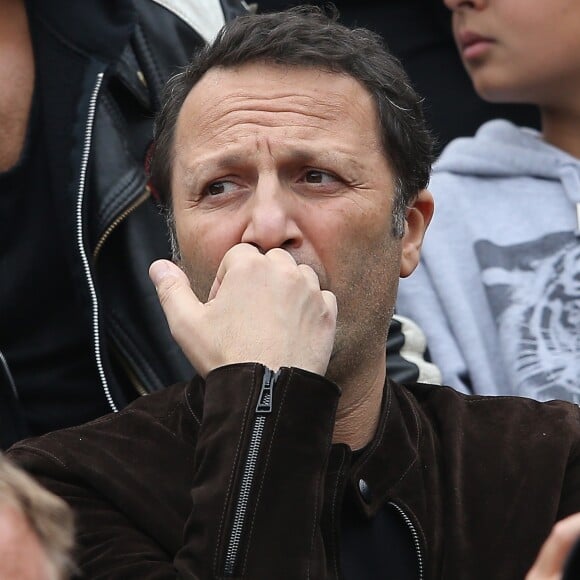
498, 289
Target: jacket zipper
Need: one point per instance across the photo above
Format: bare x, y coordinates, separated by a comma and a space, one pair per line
80, 239
414, 535
263, 409
130, 372
121, 217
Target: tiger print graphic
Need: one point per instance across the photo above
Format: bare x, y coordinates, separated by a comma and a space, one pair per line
533, 290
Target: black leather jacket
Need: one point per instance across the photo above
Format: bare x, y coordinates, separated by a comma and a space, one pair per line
124, 51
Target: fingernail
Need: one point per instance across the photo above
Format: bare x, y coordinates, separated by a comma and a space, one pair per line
159, 270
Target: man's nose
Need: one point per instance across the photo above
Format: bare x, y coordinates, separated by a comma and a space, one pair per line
272, 218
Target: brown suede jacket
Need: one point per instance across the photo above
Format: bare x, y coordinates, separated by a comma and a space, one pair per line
236, 477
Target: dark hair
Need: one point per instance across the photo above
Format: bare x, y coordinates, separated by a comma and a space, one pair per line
306, 37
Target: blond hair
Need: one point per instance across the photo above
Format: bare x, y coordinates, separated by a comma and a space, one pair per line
49, 517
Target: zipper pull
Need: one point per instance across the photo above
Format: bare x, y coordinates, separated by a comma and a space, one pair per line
264, 404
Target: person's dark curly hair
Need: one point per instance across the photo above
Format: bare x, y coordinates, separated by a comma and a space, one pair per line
307, 37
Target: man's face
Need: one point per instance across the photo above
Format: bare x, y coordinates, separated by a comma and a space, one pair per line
290, 158
520, 50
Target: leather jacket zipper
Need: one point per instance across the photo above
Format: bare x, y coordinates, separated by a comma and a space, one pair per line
121, 217
80, 239
414, 535
263, 409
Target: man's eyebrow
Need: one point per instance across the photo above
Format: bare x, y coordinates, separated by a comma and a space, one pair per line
222, 160
216, 162
315, 157
346, 160
225, 161
306, 156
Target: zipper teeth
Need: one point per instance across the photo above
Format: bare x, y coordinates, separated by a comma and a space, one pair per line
244, 495
80, 239
131, 375
119, 219
414, 534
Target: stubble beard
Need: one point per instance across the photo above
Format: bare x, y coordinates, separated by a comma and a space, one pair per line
360, 341
362, 327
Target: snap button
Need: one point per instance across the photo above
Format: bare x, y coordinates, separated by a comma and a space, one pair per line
365, 490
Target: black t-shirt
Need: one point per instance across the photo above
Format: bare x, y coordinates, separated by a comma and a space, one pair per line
381, 548
43, 334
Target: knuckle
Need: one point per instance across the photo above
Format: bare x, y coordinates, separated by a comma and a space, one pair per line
562, 532
245, 262
242, 249
308, 272
281, 256
239, 253
250, 262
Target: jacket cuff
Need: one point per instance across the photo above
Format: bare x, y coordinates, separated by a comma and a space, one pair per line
261, 457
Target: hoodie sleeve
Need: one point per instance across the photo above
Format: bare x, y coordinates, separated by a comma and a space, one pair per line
418, 300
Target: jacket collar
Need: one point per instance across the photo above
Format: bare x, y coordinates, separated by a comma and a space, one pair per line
400, 466
392, 454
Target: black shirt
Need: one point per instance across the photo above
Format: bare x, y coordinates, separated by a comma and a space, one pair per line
43, 335
381, 548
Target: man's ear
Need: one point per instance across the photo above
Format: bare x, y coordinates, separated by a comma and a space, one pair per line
416, 222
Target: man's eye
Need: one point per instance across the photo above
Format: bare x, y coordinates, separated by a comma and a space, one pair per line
220, 187
315, 176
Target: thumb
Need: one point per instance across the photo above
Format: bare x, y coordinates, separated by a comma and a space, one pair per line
180, 304
552, 556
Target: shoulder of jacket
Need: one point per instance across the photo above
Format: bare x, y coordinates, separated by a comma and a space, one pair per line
165, 413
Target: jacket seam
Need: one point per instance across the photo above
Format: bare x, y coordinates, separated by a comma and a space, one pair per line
417, 440
190, 408
42, 453
378, 440
119, 200
172, 412
492, 399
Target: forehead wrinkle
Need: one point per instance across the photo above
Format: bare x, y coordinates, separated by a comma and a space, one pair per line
232, 129
291, 103
216, 100
236, 126
225, 88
